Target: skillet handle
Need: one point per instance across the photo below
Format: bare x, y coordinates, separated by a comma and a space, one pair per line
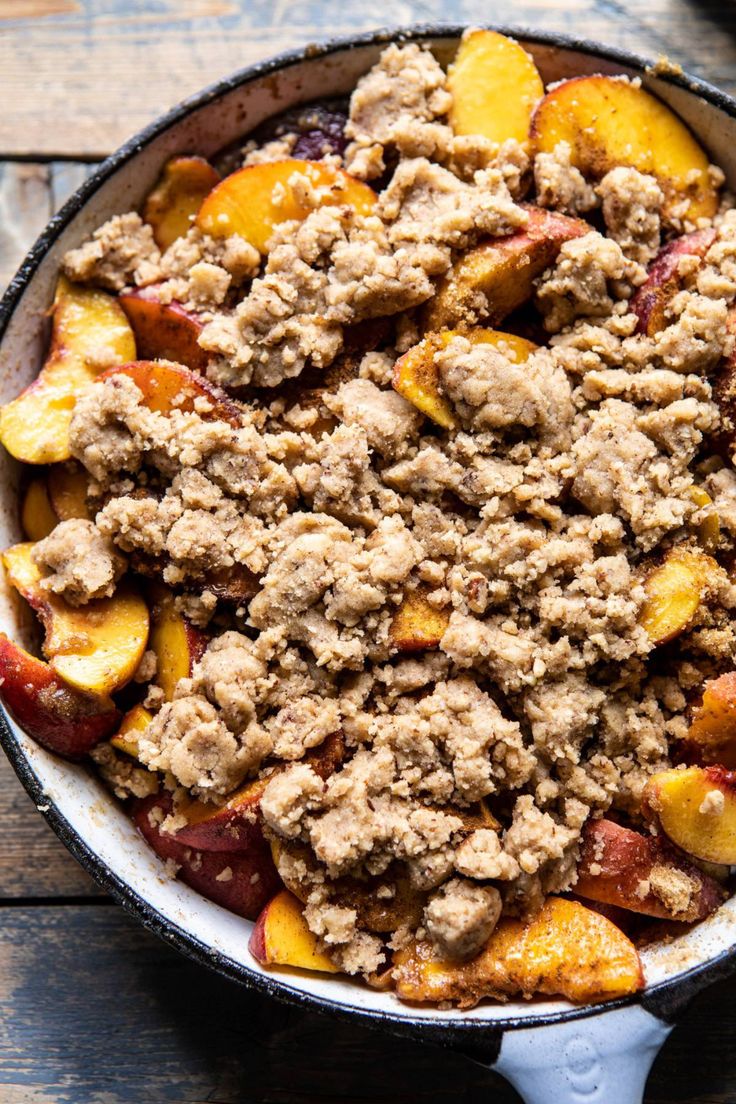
600, 1059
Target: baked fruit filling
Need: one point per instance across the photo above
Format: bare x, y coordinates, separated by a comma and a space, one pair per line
380, 514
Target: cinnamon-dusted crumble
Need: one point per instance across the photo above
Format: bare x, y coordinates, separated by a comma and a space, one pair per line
529, 526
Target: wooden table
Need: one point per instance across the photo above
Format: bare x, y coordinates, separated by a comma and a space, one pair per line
93, 1009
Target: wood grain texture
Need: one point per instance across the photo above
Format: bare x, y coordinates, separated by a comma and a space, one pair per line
101, 69
95, 1010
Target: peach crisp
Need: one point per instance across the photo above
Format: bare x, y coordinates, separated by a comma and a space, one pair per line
380, 519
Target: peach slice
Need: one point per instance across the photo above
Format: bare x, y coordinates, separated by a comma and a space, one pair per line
68, 490
89, 332
651, 300
609, 121
417, 379
236, 824
495, 87
708, 530
712, 733
36, 513
566, 950
616, 866
167, 386
253, 201
59, 718
239, 881
177, 643
696, 809
490, 281
281, 937
675, 591
135, 721
164, 331
95, 648
417, 625
177, 195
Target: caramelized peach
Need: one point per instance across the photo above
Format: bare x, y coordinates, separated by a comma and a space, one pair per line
712, 733
565, 950
177, 643
417, 624
89, 333
68, 490
696, 809
55, 715
675, 591
135, 721
239, 881
623, 868
490, 281
36, 513
652, 299
164, 331
281, 937
608, 121
254, 200
95, 648
417, 379
167, 386
495, 87
176, 197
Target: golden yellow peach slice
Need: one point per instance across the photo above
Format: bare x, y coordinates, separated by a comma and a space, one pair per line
253, 201
68, 491
566, 950
135, 721
417, 379
281, 937
177, 195
490, 281
696, 809
609, 121
417, 625
90, 333
711, 737
36, 513
495, 87
95, 648
177, 643
675, 591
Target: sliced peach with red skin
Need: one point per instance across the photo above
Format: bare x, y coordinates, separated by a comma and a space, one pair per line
164, 331
177, 195
135, 721
235, 825
253, 201
417, 625
491, 280
495, 87
281, 937
711, 737
95, 648
56, 716
239, 881
167, 386
664, 280
675, 591
177, 643
608, 121
89, 333
616, 865
416, 376
37, 515
696, 809
565, 950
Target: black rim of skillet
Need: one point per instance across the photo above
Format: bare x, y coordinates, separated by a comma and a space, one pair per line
479, 1039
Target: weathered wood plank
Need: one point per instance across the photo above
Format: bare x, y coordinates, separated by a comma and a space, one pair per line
101, 70
93, 1008
33, 862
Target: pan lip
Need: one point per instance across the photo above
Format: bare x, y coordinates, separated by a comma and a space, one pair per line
664, 998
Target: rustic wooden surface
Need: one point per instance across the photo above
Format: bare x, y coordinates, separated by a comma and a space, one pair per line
93, 1009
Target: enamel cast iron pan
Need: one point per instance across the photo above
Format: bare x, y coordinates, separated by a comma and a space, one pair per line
551, 1051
